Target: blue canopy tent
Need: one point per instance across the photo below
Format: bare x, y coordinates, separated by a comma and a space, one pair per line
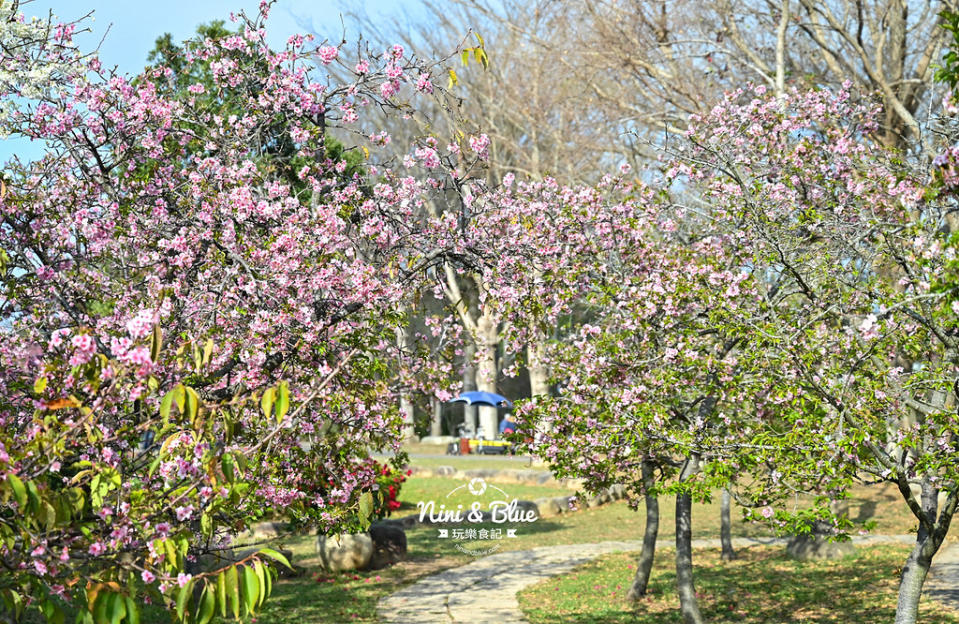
478, 397
491, 399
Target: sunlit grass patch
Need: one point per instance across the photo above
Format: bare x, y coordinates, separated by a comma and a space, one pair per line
762, 586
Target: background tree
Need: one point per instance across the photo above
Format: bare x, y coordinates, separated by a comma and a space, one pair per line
850, 244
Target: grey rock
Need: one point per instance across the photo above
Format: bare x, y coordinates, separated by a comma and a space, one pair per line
563, 503
389, 544
617, 492
525, 506
548, 507
480, 473
407, 522
509, 475
806, 547
597, 500
345, 551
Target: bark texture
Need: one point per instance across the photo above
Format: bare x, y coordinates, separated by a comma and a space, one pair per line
725, 529
644, 566
688, 605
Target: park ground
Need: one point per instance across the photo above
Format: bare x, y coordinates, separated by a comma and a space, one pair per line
761, 585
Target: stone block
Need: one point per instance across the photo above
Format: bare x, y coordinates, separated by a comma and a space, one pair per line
806, 547
389, 544
345, 551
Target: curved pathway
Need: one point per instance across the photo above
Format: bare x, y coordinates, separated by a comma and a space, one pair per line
485, 590
942, 584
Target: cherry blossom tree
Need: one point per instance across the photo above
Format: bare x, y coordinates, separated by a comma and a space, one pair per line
197, 328
854, 335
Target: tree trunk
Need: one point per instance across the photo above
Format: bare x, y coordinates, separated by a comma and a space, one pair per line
470, 412
406, 403
487, 340
725, 530
536, 365
644, 566
436, 417
407, 412
688, 605
538, 377
913, 576
933, 527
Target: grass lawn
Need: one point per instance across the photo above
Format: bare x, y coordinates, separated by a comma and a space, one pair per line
432, 455
333, 599
762, 586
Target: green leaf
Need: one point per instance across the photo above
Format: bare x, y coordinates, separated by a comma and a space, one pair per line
166, 403
33, 498
282, 400
241, 461
100, 611
366, 508
261, 574
268, 577
156, 343
182, 599
49, 515
226, 463
266, 403
251, 590
179, 396
272, 554
57, 616
465, 57
206, 524
133, 612
480, 55
207, 351
19, 491
207, 606
117, 609
233, 590
221, 593
192, 403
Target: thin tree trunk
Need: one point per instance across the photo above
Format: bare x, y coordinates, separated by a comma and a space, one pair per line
688, 605
487, 372
406, 403
913, 576
470, 412
536, 365
538, 374
781, 49
644, 566
725, 529
933, 527
436, 417
407, 412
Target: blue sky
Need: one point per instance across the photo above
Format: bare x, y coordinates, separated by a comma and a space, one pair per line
134, 27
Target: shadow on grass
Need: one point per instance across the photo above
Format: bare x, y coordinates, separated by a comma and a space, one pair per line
764, 585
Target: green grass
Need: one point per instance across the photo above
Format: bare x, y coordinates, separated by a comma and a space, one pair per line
471, 462
762, 586
335, 599
436, 456
441, 491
